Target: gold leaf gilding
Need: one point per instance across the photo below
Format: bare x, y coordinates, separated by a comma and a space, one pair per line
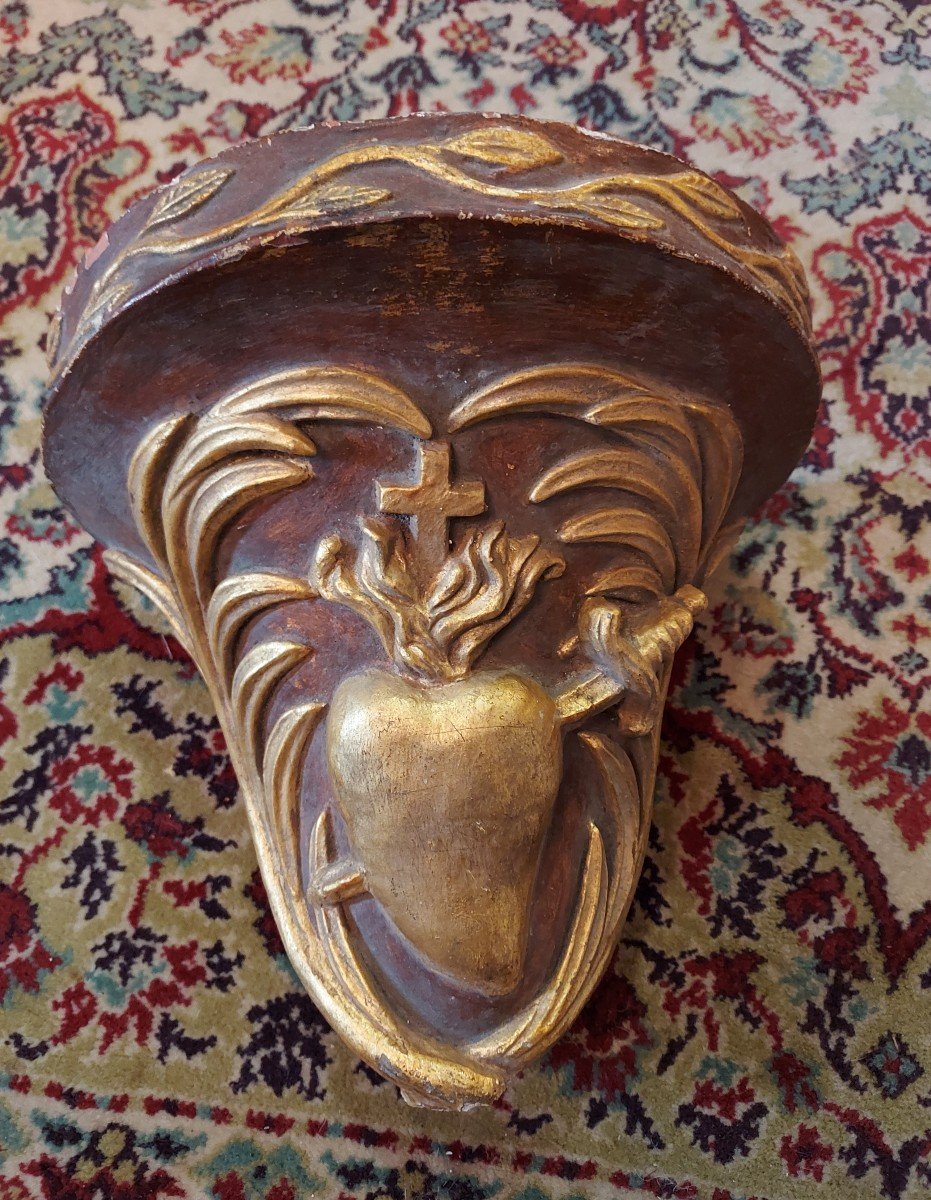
187, 194
612, 200
512, 149
192, 476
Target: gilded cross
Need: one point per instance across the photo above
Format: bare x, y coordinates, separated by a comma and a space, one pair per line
432, 500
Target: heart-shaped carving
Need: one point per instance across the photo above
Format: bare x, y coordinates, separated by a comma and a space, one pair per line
447, 792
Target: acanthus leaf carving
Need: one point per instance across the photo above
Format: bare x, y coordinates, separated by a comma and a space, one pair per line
192, 476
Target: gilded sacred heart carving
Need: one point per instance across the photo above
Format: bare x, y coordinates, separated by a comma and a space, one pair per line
432, 542
471, 759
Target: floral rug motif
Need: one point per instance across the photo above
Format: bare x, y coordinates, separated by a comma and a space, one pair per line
764, 1029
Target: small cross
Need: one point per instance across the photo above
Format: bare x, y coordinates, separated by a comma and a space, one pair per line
432, 501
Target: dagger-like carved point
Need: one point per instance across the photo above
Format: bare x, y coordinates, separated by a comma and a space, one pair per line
336, 884
629, 657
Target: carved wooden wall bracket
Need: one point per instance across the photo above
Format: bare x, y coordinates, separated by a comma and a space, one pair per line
423, 436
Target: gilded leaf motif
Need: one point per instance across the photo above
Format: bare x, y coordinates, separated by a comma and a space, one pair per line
705, 194
513, 149
334, 197
187, 194
609, 203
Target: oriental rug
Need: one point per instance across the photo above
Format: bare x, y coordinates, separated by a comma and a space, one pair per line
764, 1029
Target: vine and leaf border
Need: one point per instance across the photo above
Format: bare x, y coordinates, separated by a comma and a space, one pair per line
463, 162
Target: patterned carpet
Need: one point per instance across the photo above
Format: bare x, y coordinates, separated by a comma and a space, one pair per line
764, 1030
